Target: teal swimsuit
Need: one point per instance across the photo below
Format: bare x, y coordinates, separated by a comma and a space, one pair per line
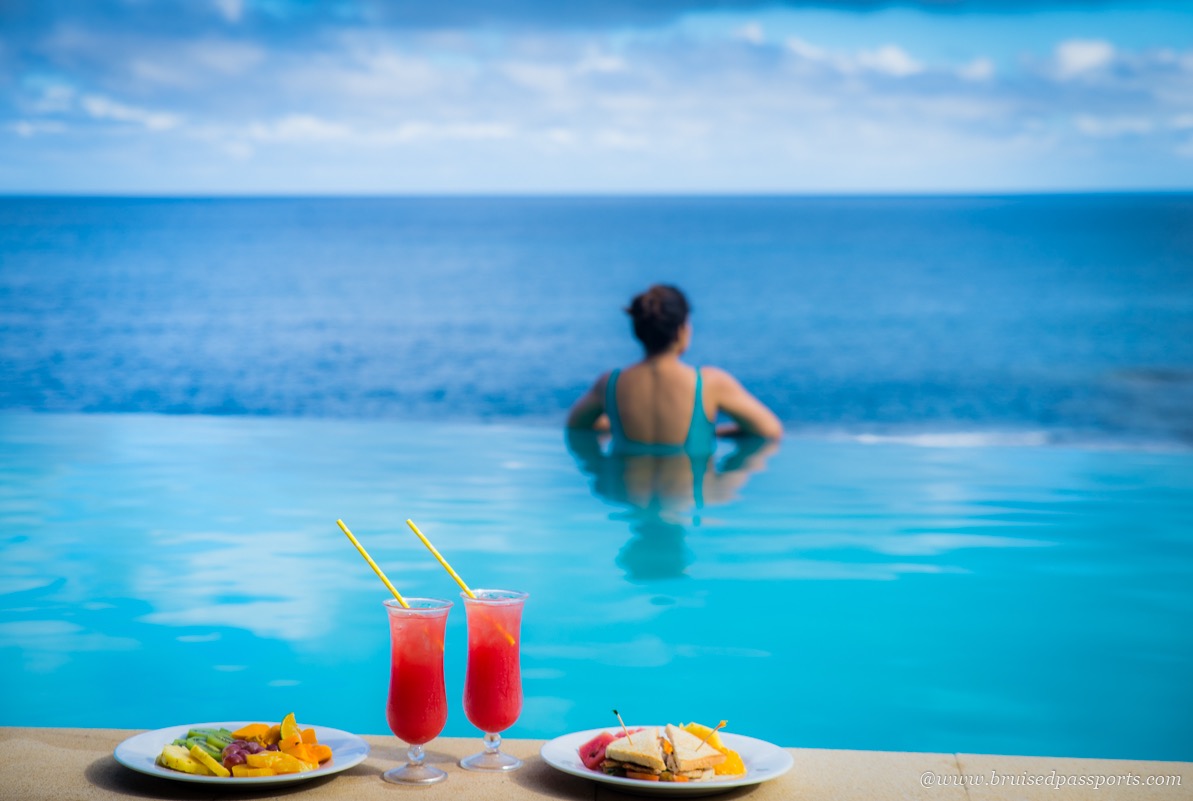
702, 434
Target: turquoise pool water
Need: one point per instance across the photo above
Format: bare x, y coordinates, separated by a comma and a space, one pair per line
840, 594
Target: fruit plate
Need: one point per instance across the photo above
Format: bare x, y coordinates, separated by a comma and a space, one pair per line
140, 753
764, 761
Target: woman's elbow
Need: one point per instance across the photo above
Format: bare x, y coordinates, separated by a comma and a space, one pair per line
772, 429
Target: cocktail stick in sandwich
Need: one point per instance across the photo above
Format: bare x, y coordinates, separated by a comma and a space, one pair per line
689, 756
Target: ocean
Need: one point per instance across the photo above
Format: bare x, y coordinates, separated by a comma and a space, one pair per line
1020, 319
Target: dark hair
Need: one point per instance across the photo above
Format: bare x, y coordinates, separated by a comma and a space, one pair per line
658, 314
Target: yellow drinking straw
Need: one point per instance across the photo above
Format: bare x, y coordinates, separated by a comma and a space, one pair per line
372, 564
509, 637
442, 561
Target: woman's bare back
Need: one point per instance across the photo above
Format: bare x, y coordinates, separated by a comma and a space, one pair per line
655, 400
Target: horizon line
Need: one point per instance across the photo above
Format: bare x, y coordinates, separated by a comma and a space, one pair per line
580, 194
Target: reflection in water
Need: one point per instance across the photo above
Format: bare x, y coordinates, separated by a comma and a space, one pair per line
662, 492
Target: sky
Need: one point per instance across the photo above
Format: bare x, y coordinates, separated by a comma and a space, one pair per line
200, 97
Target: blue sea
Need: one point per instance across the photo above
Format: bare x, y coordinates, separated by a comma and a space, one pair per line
1040, 318
977, 535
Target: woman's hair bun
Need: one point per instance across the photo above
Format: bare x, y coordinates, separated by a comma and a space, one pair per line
658, 314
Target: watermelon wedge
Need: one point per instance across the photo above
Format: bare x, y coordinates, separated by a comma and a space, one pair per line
592, 753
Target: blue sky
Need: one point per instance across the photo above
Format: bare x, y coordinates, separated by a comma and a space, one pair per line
277, 96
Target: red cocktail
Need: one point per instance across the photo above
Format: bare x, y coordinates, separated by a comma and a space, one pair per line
493, 684
417, 705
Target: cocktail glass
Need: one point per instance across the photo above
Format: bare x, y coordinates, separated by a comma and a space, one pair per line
493, 681
417, 705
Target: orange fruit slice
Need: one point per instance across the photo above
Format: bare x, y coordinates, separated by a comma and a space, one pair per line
289, 728
253, 731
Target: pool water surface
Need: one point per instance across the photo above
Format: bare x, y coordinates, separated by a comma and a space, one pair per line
837, 594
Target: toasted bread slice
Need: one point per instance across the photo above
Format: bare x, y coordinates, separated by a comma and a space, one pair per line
640, 748
690, 754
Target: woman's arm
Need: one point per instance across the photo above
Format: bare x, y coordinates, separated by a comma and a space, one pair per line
750, 414
589, 411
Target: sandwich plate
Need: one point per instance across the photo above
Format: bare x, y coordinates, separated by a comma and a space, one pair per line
140, 753
764, 761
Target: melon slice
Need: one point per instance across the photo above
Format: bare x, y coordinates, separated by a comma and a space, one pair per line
592, 753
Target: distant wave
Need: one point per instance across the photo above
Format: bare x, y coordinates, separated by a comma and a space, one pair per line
998, 439
960, 439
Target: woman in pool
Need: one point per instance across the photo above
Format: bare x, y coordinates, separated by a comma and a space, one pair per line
661, 405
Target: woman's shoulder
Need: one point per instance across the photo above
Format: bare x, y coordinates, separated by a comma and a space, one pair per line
716, 378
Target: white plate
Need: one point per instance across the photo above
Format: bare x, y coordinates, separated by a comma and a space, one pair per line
763, 761
140, 752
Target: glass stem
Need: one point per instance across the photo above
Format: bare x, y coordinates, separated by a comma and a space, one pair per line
492, 743
415, 756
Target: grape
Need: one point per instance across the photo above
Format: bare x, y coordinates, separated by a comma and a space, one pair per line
237, 752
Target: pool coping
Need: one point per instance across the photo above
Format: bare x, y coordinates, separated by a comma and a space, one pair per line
73, 763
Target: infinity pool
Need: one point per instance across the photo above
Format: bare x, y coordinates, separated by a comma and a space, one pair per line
837, 594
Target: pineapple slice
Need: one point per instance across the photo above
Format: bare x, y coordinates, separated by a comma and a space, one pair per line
209, 762
733, 764
176, 757
702, 731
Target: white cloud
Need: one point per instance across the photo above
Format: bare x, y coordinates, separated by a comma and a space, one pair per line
539, 77
27, 128
560, 136
751, 32
596, 61
361, 67
231, 10
806, 50
815, 54
241, 151
225, 57
388, 72
1079, 56
54, 98
891, 60
980, 69
414, 131
617, 139
299, 128
104, 108
1110, 127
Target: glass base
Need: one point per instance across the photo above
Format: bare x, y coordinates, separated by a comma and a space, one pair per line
415, 771
414, 774
490, 760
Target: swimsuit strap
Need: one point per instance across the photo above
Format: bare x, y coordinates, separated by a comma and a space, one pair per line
702, 433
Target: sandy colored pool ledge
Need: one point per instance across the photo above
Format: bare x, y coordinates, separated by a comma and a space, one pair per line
78, 764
